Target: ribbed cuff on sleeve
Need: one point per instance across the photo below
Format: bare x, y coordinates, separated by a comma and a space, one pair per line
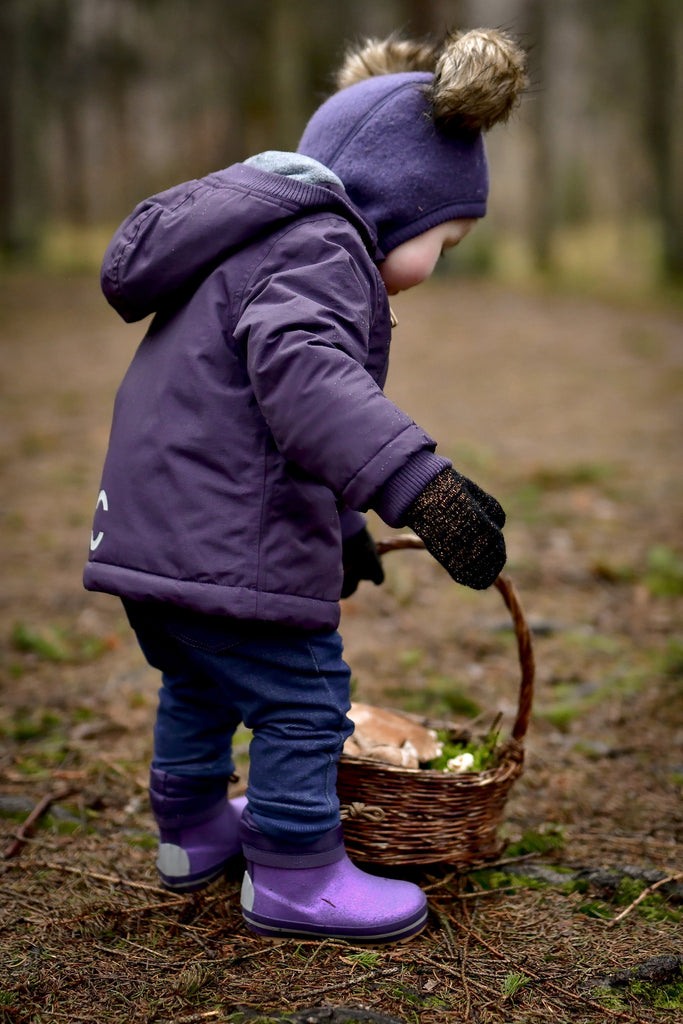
396, 496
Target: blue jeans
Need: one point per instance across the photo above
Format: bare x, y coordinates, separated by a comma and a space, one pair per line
290, 687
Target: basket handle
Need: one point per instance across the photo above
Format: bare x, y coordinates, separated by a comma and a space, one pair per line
525, 649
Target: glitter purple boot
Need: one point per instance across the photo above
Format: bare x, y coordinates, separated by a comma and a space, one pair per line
313, 890
198, 829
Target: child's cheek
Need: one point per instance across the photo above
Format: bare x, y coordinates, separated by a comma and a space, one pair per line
406, 267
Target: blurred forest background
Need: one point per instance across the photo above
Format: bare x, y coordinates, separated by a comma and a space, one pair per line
103, 102
550, 368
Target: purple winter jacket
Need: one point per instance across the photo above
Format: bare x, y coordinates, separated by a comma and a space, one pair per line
252, 412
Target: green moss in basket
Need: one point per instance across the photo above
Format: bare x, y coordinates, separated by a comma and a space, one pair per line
484, 752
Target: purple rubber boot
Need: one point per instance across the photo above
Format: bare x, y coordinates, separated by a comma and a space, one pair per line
314, 891
198, 829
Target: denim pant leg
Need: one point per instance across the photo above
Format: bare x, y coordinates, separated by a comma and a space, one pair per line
294, 693
290, 688
194, 723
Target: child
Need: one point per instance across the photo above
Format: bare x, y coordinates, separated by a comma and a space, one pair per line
249, 435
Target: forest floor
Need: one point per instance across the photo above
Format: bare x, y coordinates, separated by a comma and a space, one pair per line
568, 409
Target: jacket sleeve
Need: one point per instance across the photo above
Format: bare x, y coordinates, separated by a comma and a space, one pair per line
305, 321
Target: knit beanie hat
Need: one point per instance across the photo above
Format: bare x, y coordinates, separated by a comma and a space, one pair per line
404, 133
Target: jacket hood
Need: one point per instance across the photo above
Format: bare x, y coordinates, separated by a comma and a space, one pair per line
398, 168
174, 239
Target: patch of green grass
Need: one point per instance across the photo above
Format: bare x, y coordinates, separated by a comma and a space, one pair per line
654, 907
645, 342
524, 504
364, 957
137, 700
512, 983
580, 885
82, 714
493, 878
471, 459
34, 444
561, 715
660, 997
545, 840
568, 705
440, 696
627, 891
595, 643
143, 841
31, 725
457, 702
411, 657
594, 908
579, 474
48, 643
671, 662
483, 752
54, 644
32, 766
607, 996
60, 826
665, 996
664, 572
610, 572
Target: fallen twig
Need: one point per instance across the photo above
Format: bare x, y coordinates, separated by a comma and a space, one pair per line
513, 860
25, 829
448, 932
643, 895
487, 892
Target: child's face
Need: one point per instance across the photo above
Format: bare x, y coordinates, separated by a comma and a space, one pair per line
412, 262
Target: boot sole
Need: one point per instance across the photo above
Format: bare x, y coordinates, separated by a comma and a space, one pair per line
280, 940
290, 930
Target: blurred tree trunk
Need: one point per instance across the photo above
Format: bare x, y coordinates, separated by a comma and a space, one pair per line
6, 127
19, 217
541, 220
660, 33
427, 17
75, 158
422, 16
287, 58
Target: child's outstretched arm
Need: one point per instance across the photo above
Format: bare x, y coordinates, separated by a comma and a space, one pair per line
306, 330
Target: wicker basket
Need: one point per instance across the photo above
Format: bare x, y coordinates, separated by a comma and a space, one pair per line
420, 816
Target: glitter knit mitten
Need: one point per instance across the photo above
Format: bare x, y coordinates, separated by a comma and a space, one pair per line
461, 527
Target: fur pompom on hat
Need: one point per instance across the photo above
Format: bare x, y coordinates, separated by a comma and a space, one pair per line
404, 131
